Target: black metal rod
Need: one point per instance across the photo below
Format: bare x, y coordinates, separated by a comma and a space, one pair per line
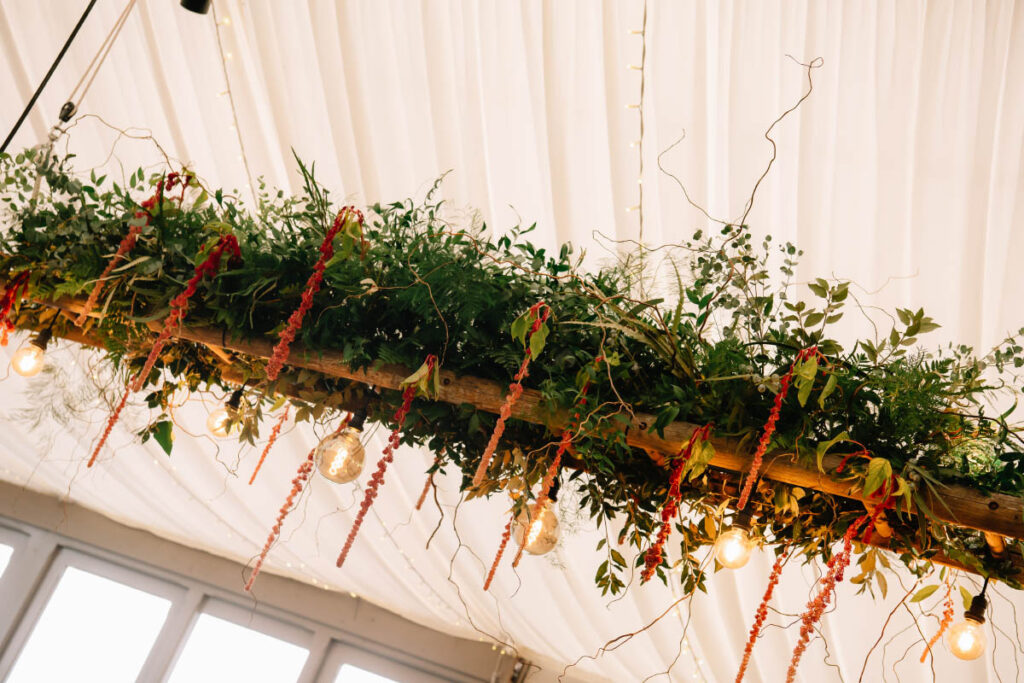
46, 78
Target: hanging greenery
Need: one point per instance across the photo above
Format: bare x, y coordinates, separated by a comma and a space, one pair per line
711, 350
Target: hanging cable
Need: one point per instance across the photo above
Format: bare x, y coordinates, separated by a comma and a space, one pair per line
85, 82
46, 78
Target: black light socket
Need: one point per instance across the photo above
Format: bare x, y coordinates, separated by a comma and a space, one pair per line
358, 419
743, 520
235, 401
42, 339
553, 492
979, 603
197, 6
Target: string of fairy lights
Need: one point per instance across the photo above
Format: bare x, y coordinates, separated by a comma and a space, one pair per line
638, 106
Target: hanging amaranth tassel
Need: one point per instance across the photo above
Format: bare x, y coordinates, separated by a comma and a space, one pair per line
128, 241
179, 307
270, 443
762, 614
671, 507
535, 318
351, 221
836, 566
769, 426
16, 289
426, 377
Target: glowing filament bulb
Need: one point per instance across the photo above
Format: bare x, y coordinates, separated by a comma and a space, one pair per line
28, 360
537, 533
733, 547
223, 422
340, 457
966, 639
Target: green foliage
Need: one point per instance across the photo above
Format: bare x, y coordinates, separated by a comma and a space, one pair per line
408, 284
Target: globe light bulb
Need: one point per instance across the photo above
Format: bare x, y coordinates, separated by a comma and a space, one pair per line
340, 457
733, 547
537, 533
223, 422
966, 639
28, 360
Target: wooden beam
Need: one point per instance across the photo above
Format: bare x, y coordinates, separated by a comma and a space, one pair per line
962, 506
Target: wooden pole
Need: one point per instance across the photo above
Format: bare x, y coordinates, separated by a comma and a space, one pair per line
995, 513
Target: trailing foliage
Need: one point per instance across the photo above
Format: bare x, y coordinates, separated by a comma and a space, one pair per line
710, 352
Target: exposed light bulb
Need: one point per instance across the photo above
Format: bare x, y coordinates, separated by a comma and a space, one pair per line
966, 639
733, 547
223, 422
538, 534
28, 360
340, 457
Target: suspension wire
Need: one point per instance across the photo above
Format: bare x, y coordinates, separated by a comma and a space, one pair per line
46, 78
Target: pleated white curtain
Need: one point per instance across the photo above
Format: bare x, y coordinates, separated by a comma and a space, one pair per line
902, 171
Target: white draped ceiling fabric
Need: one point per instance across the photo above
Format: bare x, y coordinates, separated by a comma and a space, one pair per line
902, 172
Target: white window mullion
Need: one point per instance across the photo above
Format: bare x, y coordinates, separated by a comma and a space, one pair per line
172, 636
25, 576
317, 654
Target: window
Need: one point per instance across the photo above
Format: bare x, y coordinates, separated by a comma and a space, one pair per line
92, 628
222, 650
353, 674
5, 557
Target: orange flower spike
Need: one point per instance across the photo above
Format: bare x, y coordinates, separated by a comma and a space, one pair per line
947, 619
539, 312
501, 551
761, 615
270, 443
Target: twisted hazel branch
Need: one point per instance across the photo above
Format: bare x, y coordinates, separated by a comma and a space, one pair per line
283, 348
762, 614
540, 313
270, 443
298, 483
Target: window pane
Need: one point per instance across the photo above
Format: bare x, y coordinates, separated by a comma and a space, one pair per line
92, 628
219, 650
353, 674
5, 557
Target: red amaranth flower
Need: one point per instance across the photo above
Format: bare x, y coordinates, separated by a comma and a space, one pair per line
179, 307
816, 607
287, 336
501, 551
430, 480
947, 619
762, 614
270, 443
298, 484
128, 241
671, 506
382, 465
539, 312
769, 426
16, 289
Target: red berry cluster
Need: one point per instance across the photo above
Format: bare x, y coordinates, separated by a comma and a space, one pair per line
287, 336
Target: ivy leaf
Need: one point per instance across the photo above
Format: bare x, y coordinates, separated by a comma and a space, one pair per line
538, 339
824, 447
966, 595
519, 328
830, 386
924, 593
879, 472
699, 460
163, 434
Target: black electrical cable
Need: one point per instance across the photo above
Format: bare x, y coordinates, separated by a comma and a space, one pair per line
46, 78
